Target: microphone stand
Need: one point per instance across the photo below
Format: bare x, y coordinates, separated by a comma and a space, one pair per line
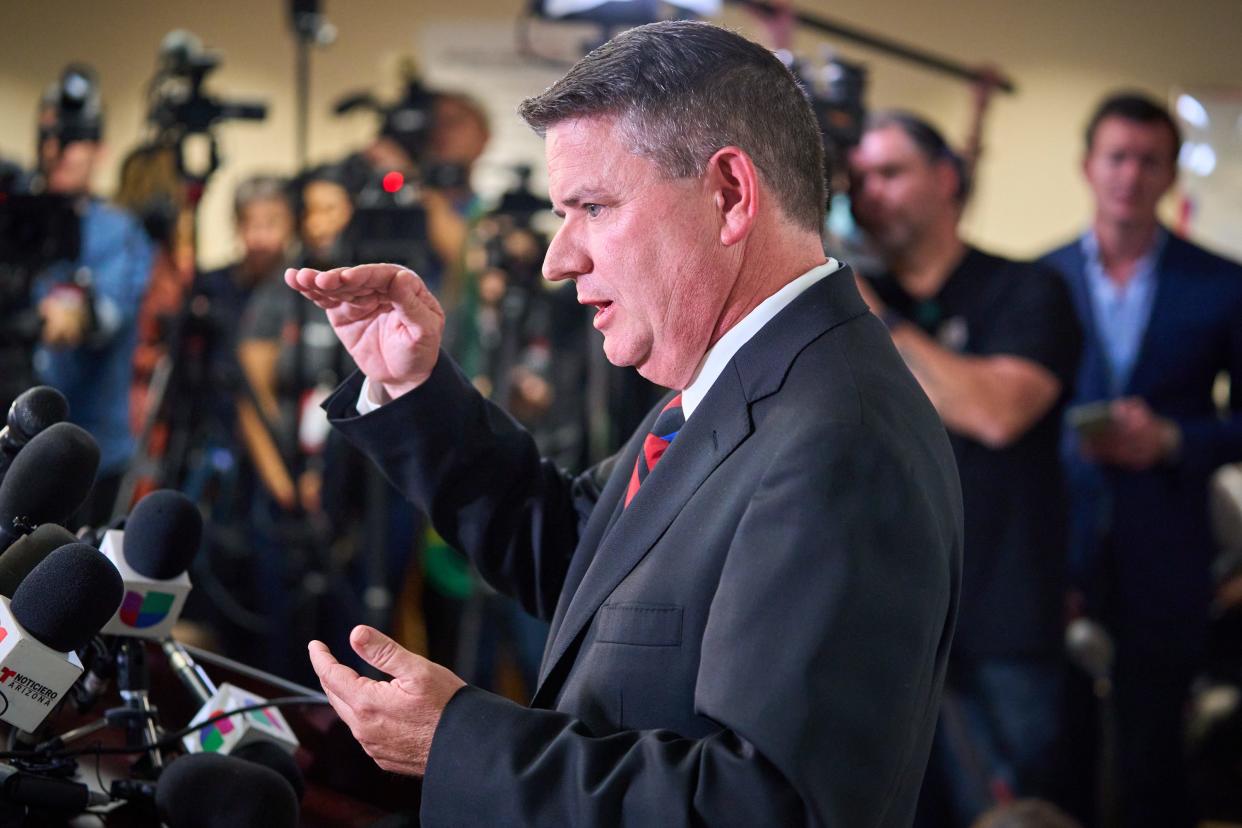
192, 676
126, 659
134, 683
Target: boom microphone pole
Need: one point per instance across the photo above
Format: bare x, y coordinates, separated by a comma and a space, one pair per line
913, 54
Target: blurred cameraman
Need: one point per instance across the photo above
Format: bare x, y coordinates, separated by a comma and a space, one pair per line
89, 306
994, 344
432, 139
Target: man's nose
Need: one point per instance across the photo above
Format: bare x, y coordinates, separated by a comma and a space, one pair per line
1131, 170
566, 257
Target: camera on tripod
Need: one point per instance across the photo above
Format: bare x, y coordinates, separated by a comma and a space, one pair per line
390, 221
179, 107
837, 90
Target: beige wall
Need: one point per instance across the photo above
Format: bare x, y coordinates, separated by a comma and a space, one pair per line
1062, 53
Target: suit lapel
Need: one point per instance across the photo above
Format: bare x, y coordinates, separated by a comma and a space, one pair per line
718, 426
607, 510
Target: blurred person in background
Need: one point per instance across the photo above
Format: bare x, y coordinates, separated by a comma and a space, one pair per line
263, 211
994, 344
89, 307
432, 139
152, 188
1163, 319
331, 541
325, 208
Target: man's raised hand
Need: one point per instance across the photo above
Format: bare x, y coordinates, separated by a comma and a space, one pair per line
384, 315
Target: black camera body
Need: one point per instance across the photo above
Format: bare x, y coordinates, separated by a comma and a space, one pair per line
72, 109
389, 224
837, 91
36, 231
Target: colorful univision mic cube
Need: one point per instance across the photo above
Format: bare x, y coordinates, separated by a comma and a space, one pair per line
226, 735
150, 607
33, 677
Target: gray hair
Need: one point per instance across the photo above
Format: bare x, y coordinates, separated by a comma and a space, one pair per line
928, 141
261, 188
681, 91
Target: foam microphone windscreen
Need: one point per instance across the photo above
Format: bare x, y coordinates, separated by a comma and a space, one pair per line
207, 790
37, 409
65, 599
162, 534
50, 477
273, 756
28, 552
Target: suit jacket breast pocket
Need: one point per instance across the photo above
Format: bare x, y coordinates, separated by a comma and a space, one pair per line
644, 625
640, 644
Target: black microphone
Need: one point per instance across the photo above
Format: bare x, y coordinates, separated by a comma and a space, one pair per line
153, 552
207, 790
48, 480
33, 411
162, 535
55, 610
28, 552
273, 756
67, 597
59, 795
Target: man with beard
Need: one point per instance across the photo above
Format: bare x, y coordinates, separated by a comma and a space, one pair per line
994, 344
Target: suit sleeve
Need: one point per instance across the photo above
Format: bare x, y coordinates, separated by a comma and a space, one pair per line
478, 475
821, 663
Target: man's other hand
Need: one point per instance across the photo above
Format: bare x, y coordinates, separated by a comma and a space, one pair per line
384, 315
1138, 439
393, 720
64, 322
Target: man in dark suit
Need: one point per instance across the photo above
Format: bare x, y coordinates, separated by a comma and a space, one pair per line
751, 605
1163, 318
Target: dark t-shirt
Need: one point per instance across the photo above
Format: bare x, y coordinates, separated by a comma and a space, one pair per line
218, 320
1013, 575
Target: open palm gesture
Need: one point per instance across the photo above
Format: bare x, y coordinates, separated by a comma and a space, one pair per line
385, 317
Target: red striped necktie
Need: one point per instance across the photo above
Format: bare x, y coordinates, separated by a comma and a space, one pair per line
667, 424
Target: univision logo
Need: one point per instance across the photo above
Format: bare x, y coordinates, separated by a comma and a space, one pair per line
264, 716
140, 610
211, 738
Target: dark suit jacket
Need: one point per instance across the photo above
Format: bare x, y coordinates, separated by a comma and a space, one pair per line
759, 639
1140, 541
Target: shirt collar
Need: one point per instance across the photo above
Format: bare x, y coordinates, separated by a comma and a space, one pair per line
1091, 250
718, 356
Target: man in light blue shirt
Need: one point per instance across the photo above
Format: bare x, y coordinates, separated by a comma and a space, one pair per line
1163, 319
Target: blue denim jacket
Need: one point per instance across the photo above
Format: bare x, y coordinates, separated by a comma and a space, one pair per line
95, 377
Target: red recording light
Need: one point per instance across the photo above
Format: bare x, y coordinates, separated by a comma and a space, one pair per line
393, 181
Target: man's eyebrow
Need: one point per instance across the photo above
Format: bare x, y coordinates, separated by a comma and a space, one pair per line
583, 195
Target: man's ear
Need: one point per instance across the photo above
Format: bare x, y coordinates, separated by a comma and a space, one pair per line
949, 179
733, 182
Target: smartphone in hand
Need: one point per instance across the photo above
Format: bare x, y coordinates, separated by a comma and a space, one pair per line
1091, 419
